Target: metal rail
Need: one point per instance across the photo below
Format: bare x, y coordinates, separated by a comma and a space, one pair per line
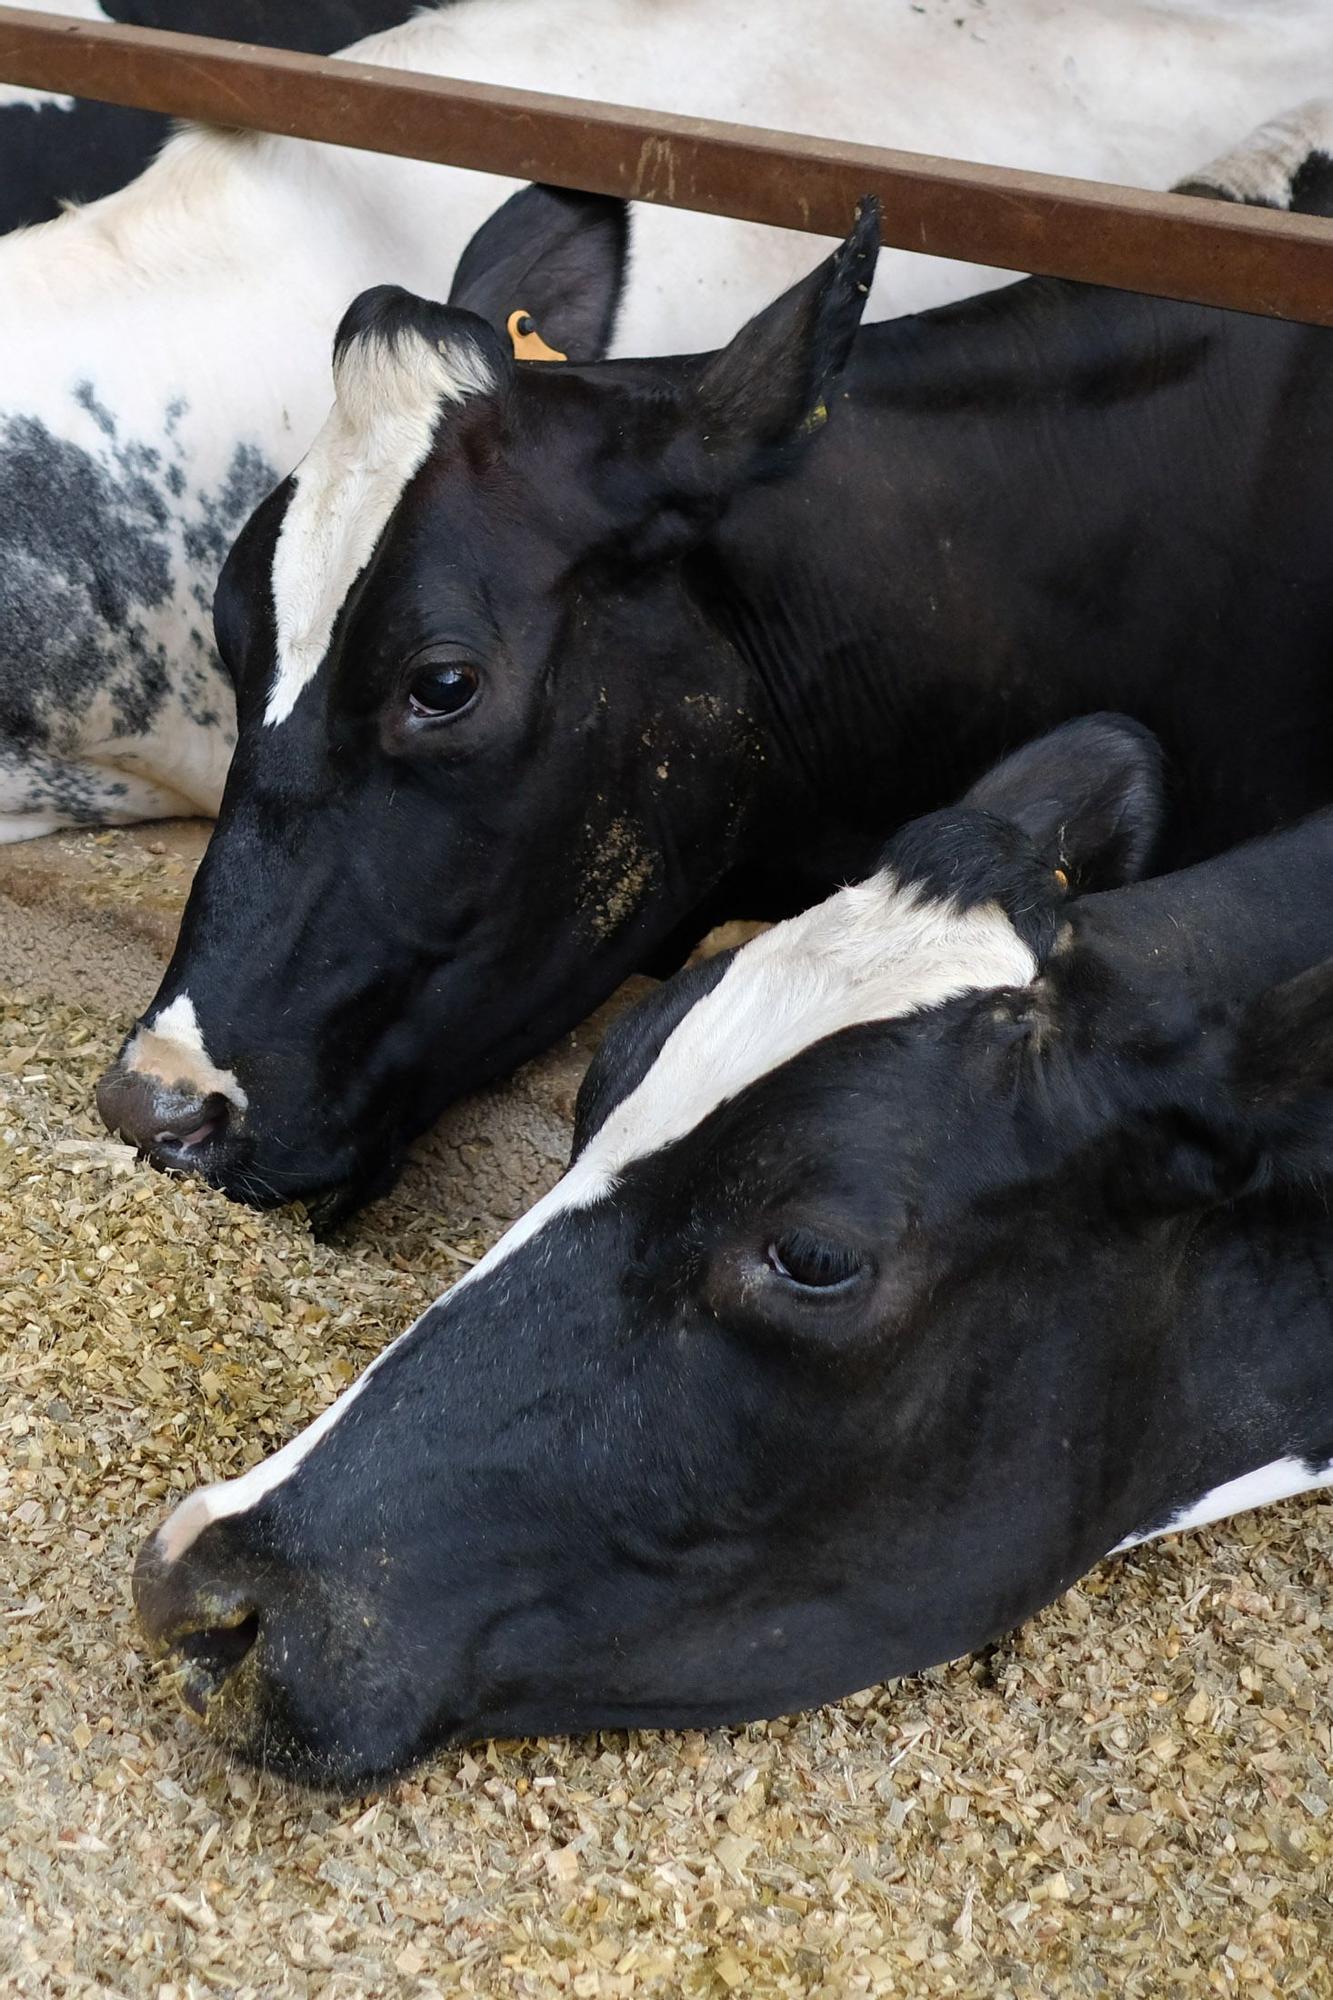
1220, 254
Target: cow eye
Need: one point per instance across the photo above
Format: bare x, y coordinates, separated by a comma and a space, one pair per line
811, 1263
442, 689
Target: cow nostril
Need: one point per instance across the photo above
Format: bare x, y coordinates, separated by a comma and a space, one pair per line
212, 1123
174, 1123
211, 1656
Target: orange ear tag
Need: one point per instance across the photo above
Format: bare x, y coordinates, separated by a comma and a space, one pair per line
1061, 879
528, 343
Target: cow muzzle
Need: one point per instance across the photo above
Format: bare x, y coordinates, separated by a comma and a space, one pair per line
267, 1659
175, 1124
166, 1095
204, 1623
182, 1127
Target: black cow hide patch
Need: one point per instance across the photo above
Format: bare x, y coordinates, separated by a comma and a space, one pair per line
94, 545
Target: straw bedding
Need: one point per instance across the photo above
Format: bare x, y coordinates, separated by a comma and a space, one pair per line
1132, 1795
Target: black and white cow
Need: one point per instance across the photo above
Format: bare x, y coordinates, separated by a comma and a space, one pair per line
55, 150
945, 1238
538, 666
163, 355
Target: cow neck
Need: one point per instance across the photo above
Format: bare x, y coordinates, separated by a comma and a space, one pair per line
960, 558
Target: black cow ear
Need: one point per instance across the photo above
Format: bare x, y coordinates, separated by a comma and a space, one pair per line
771, 384
1088, 795
558, 258
1282, 1072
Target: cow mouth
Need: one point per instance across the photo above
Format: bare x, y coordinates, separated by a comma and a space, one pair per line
330, 1209
330, 1200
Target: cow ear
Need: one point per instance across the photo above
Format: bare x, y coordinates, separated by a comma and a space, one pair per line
1282, 1073
1088, 795
770, 386
558, 258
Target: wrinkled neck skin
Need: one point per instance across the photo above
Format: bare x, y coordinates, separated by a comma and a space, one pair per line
1026, 507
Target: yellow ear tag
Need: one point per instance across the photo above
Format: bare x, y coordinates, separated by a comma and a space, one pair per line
528, 343
1061, 879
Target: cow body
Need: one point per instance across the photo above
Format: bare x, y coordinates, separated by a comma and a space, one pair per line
721, 619
937, 1243
56, 150
164, 352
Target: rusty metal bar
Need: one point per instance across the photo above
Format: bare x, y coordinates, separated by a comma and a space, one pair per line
1220, 254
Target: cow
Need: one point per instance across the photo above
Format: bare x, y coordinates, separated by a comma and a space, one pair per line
591, 657
163, 353
944, 1239
56, 149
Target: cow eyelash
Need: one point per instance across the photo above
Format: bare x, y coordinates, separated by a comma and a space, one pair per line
811, 1263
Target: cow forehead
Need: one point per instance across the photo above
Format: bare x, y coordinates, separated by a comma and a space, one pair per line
875, 952
389, 392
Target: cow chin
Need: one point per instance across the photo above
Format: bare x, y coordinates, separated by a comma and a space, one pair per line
331, 1208
317, 1738
332, 1189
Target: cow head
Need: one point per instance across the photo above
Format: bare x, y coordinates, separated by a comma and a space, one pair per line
849, 1338
473, 789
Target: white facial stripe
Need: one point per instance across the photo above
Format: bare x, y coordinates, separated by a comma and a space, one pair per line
870, 953
388, 397
1263, 167
1278, 1481
171, 1048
